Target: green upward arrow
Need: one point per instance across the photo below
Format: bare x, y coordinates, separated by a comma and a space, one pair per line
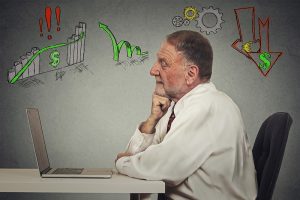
118, 46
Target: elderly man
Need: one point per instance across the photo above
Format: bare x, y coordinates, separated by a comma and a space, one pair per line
194, 138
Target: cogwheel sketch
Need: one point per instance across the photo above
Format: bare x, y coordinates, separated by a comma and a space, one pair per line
177, 21
186, 22
190, 13
205, 28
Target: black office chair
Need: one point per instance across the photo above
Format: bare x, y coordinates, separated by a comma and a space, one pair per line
268, 152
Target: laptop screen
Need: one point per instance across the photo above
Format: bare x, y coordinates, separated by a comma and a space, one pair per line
38, 138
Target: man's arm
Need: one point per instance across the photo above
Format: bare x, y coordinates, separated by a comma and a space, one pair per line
188, 145
144, 137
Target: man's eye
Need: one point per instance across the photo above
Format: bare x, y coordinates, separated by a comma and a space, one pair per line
163, 64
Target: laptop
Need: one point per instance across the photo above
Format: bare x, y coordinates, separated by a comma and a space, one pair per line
42, 156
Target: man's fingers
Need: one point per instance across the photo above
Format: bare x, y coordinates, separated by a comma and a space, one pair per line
161, 100
160, 106
165, 105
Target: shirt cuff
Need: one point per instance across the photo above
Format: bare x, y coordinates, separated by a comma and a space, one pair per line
120, 164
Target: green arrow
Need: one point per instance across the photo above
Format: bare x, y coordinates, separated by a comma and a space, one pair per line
17, 76
129, 48
113, 40
118, 46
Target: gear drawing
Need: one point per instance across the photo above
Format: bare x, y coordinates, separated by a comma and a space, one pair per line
177, 21
190, 13
207, 29
186, 22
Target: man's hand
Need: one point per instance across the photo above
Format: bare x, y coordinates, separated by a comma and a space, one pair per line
159, 108
122, 154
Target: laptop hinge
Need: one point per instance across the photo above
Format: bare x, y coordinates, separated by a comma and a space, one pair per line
46, 170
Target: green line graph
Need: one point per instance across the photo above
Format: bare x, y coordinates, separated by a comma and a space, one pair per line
28, 63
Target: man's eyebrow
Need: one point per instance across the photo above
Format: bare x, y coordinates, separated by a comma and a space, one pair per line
159, 57
163, 60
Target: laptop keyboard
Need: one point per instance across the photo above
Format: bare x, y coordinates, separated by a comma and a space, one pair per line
68, 171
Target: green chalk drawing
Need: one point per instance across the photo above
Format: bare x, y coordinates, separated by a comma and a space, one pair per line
118, 46
16, 77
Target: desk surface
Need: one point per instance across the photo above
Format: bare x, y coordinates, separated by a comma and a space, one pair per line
29, 180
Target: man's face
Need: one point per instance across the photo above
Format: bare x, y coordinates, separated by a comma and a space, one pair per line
169, 72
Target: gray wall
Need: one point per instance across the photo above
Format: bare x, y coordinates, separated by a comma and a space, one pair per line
89, 115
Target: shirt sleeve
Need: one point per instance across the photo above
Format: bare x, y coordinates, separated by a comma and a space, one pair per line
187, 145
141, 141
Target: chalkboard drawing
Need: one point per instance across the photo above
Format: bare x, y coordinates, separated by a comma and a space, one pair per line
190, 13
55, 58
76, 49
29, 82
264, 59
207, 28
245, 18
118, 46
48, 16
28, 61
177, 21
247, 47
133, 61
262, 56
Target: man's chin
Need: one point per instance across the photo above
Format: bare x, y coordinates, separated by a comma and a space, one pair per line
160, 92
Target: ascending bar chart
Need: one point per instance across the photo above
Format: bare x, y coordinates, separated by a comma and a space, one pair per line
32, 69
75, 51
29, 64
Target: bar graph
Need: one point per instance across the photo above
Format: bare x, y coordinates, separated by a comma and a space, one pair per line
75, 51
31, 70
28, 65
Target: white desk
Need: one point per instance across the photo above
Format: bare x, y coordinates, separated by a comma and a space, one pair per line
29, 180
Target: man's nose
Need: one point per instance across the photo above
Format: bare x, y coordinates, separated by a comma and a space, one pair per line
154, 71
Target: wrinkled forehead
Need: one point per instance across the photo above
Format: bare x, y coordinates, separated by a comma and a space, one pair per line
168, 52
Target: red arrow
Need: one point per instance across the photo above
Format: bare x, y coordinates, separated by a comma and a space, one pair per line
264, 48
246, 32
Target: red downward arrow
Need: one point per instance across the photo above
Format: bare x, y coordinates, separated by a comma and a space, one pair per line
246, 32
271, 57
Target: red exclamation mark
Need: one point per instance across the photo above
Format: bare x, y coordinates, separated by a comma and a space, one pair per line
48, 20
57, 14
41, 26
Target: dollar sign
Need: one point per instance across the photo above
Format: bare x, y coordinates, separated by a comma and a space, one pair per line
54, 56
264, 58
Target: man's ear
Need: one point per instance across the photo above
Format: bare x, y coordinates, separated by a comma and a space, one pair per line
192, 74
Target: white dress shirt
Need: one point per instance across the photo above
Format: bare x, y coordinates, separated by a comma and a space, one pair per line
205, 155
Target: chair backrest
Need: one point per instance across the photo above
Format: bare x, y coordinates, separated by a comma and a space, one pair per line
268, 151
